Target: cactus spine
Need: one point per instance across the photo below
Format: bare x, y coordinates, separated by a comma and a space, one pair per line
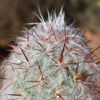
50, 62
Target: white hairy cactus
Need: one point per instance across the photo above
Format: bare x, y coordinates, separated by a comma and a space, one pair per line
51, 61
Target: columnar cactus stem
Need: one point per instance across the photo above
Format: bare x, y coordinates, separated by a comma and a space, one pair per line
50, 62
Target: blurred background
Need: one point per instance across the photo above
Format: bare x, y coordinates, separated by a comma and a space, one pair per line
15, 13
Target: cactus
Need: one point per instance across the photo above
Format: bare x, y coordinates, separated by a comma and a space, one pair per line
51, 61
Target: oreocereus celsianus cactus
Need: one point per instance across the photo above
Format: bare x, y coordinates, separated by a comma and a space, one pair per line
51, 61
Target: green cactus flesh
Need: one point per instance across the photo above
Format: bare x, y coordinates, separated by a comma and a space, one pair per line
50, 62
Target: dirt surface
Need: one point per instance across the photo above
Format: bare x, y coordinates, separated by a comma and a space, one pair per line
94, 42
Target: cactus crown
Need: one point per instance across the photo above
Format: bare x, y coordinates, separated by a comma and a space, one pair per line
50, 62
